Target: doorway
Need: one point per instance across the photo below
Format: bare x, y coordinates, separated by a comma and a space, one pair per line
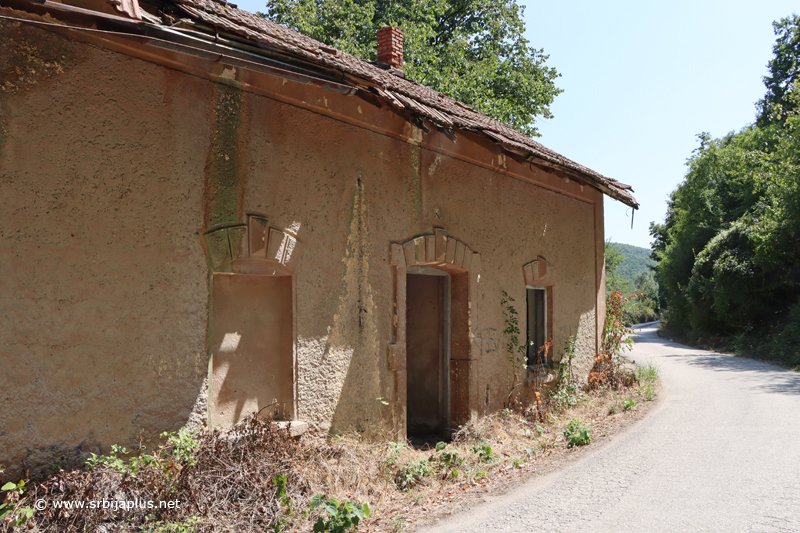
428, 353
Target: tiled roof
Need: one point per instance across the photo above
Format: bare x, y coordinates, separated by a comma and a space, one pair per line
447, 113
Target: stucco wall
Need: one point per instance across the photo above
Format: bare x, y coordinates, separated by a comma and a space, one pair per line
103, 297
112, 168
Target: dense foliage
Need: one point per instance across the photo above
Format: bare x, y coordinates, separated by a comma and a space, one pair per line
473, 50
633, 281
729, 250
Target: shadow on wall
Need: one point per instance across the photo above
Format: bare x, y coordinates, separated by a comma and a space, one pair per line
252, 320
147, 421
354, 336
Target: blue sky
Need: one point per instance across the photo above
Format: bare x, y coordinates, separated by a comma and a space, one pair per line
641, 80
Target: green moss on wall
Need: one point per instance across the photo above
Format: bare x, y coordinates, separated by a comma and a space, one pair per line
224, 183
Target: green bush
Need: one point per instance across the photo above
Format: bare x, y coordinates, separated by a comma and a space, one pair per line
577, 433
411, 474
336, 517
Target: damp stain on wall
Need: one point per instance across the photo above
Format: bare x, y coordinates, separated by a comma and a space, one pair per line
31, 57
224, 184
3, 135
415, 187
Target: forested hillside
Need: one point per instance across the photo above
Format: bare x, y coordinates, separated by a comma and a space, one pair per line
628, 273
729, 250
636, 260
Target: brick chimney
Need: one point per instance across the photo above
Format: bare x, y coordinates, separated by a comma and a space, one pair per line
390, 47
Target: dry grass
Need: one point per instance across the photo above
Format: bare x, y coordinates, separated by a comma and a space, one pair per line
228, 481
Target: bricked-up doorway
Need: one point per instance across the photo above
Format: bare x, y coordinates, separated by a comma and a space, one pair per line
252, 346
428, 352
251, 320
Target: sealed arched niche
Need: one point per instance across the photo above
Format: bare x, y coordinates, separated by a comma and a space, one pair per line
251, 321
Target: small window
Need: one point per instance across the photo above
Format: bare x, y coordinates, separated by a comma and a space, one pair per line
537, 327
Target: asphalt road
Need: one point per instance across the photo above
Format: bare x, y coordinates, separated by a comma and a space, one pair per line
721, 452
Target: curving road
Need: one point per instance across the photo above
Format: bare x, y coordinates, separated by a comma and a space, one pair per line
721, 452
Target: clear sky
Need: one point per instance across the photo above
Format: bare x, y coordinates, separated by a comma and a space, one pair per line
641, 80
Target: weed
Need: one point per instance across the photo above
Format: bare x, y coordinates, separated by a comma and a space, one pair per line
340, 516
181, 446
649, 372
397, 523
566, 392
577, 433
484, 452
112, 460
448, 459
514, 348
393, 451
628, 404
649, 393
10, 510
189, 526
411, 474
286, 502
614, 409
172, 457
616, 337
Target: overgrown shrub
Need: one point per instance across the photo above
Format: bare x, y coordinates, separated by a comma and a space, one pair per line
222, 476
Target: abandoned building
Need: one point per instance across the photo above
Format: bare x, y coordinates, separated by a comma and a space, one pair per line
205, 214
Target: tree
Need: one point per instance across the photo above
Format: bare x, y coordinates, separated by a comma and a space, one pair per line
784, 72
615, 282
728, 254
472, 50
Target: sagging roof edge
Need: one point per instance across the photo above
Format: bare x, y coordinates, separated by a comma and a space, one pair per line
269, 40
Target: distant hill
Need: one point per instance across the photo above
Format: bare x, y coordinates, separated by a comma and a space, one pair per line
637, 260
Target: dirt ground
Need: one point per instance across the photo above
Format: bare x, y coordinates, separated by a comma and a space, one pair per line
265, 480
407, 511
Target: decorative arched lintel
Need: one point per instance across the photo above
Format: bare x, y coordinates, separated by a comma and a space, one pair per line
252, 248
440, 251
538, 273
